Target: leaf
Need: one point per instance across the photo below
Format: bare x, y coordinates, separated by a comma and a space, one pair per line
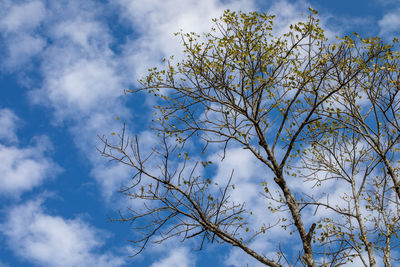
313, 10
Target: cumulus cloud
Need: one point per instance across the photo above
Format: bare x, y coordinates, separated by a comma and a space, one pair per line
22, 168
82, 77
76, 89
50, 240
81, 74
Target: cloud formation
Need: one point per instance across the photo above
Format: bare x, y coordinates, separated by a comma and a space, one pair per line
390, 23
8, 126
22, 168
17, 27
50, 240
157, 21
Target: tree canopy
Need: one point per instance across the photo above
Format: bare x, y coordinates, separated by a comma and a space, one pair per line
322, 118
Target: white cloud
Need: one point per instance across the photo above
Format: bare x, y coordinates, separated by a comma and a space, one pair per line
81, 73
390, 23
292, 12
83, 81
17, 28
157, 20
22, 17
244, 163
111, 177
178, 257
166, 17
50, 240
84, 32
8, 126
21, 47
22, 168
77, 89
84, 78
249, 173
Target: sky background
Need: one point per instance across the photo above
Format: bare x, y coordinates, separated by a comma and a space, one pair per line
63, 68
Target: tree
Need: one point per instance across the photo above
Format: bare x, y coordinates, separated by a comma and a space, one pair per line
319, 113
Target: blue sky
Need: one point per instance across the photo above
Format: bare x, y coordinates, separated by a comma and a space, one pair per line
63, 70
